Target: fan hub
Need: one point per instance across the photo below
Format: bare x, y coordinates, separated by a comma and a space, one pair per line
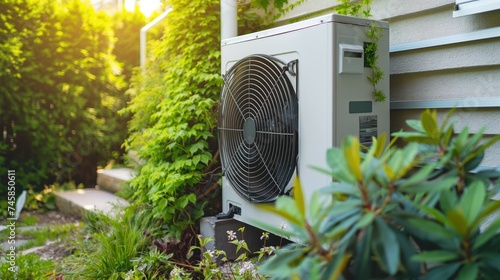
249, 130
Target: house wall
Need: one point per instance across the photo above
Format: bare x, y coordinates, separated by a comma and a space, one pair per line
438, 61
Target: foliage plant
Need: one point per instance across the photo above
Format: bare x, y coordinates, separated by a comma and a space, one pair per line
419, 211
110, 244
41, 235
173, 107
208, 264
214, 264
275, 9
60, 92
44, 200
29, 266
126, 28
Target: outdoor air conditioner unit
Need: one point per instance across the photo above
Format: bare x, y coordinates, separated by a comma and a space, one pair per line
290, 93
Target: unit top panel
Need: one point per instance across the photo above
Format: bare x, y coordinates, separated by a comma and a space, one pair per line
326, 19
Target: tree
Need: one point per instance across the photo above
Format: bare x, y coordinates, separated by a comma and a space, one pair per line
59, 93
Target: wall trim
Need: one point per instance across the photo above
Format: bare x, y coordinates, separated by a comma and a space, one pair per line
448, 40
493, 102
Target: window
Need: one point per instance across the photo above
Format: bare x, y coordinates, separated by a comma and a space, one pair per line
469, 7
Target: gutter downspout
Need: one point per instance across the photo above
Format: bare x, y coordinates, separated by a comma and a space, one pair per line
229, 18
144, 30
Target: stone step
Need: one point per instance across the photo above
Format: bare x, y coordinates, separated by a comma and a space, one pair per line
113, 180
75, 202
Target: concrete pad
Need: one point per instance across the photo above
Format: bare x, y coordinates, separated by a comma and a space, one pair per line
113, 180
76, 202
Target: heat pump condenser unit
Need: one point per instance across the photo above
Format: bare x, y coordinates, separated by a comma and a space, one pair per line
290, 93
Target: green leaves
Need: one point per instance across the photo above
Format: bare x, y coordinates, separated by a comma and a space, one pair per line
352, 156
384, 247
472, 201
386, 204
435, 256
60, 91
174, 106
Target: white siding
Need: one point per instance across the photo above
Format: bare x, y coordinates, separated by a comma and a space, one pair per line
466, 71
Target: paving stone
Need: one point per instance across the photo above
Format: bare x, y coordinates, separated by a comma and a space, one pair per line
75, 202
113, 180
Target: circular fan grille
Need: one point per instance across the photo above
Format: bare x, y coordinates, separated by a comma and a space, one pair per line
258, 121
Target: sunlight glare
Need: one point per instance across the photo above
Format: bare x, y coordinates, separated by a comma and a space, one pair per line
147, 6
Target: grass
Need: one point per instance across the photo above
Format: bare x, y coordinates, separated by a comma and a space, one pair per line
29, 221
120, 247
40, 236
109, 253
31, 266
103, 247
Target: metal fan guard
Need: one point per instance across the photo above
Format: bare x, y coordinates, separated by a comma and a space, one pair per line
258, 128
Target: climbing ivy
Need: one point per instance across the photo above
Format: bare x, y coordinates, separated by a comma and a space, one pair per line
174, 105
278, 9
362, 9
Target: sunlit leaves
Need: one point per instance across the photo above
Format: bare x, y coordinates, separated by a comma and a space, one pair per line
174, 107
352, 154
59, 92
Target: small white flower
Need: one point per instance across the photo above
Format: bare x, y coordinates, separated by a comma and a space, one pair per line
211, 253
231, 235
129, 275
282, 226
265, 235
246, 266
176, 272
268, 250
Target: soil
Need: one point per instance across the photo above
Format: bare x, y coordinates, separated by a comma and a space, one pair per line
52, 250
48, 218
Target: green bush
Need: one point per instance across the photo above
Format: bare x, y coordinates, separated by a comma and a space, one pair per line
113, 243
59, 93
173, 111
173, 106
127, 26
420, 211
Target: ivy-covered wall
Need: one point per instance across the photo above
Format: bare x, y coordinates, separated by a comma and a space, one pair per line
174, 106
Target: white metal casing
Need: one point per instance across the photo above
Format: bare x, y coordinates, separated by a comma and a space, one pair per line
324, 95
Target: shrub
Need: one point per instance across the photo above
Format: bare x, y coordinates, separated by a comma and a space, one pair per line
174, 115
113, 243
59, 91
411, 212
173, 103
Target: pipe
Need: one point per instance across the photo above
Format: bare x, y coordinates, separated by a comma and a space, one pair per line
229, 18
144, 30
